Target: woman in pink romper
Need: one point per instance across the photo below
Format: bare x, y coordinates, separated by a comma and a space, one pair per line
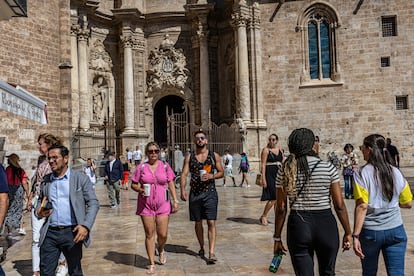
155, 208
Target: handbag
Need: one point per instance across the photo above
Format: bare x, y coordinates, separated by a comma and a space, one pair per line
259, 180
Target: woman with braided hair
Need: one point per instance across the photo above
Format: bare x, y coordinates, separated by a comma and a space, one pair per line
380, 191
310, 184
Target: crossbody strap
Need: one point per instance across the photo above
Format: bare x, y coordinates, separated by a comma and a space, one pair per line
303, 185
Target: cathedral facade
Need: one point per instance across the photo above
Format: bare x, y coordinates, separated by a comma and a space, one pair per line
111, 72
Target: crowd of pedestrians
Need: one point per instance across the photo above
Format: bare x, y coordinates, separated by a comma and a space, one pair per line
299, 185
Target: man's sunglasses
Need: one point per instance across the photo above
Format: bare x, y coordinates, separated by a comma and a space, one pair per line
201, 138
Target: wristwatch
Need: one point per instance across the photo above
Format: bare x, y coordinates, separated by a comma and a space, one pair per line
176, 201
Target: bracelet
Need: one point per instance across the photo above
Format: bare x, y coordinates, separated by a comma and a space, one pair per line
176, 201
355, 236
277, 239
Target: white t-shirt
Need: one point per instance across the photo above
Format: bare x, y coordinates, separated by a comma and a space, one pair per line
90, 172
137, 154
129, 155
229, 158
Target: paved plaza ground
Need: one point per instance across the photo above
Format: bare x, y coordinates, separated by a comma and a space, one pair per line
244, 247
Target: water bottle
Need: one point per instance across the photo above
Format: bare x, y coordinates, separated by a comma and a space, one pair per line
277, 258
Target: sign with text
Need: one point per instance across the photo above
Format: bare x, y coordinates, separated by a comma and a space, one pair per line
18, 101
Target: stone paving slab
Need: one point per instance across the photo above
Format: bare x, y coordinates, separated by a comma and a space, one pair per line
244, 247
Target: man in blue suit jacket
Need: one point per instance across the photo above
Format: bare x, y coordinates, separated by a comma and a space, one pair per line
113, 173
68, 201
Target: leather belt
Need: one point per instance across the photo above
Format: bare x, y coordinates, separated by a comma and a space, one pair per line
60, 227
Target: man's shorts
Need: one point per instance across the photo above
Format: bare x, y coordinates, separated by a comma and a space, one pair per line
203, 206
228, 171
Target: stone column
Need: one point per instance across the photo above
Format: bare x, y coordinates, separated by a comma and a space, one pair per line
257, 70
205, 101
84, 99
240, 19
129, 112
74, 76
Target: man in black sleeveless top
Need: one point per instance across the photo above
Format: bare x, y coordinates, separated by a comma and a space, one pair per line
205, 167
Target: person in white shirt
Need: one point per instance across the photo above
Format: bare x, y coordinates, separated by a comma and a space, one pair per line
129, 155
228, 167
137, 156
90, 170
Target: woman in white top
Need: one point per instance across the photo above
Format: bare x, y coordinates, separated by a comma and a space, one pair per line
380, 191
90, 170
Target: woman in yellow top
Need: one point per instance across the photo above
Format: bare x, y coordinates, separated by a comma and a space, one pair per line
380, 191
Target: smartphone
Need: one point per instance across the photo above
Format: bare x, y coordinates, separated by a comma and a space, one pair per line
167, 195
46, 205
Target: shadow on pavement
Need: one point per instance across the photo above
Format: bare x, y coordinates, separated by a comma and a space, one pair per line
24, 267
126, 259
244, 220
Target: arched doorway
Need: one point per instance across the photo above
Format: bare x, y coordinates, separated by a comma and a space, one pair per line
173, 104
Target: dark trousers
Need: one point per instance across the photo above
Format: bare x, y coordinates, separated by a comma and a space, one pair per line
310, 232
57, 241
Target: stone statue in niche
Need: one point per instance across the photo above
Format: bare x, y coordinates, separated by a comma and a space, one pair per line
167, 67
99, 99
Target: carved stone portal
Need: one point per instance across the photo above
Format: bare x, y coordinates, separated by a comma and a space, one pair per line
167, 67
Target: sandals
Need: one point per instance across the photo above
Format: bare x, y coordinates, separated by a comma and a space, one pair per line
212, 258
151, 269
263, 220
162, 258
201, 253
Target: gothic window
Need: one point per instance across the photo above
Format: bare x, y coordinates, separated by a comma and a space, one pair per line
318, 24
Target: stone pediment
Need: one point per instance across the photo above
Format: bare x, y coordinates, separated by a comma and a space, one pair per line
167, 68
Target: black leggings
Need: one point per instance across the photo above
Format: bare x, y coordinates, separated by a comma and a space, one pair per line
309, 232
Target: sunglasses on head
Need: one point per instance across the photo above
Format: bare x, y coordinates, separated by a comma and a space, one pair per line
201, 138
153, 151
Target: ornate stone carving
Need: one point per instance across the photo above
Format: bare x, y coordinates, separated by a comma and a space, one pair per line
83, 34
99, 58
74, 29
167, 67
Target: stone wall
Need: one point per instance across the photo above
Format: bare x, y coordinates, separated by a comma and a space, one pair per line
365, 103
30, 56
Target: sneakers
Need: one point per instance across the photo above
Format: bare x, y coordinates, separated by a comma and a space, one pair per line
118, 201
21, 231
62, 270
113, 206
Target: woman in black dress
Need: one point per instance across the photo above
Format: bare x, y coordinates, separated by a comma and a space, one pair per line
272, 158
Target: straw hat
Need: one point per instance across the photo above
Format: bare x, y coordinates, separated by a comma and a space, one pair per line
13, 160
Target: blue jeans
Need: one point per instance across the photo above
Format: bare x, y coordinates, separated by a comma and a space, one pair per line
349, 182
2, 271
392, 243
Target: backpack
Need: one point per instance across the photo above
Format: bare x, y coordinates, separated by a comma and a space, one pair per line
226, 161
